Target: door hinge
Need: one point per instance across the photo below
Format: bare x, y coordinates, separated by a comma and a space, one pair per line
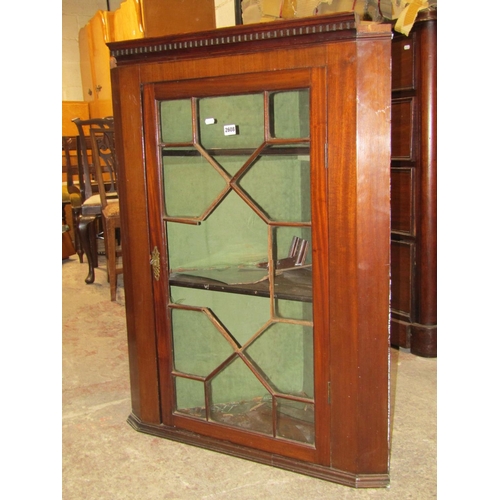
326, 155
329, 393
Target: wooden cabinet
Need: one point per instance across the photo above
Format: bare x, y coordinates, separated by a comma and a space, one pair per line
70, 110
413, 188
94, 66
133, 19
254, 191
166, 17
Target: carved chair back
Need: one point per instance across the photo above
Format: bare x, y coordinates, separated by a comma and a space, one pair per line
86, 160
102, 139
70, 144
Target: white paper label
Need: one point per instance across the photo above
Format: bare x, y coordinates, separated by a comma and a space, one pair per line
230, 130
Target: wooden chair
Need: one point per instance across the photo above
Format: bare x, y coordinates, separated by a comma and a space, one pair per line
91, 209
70, 192
103, 151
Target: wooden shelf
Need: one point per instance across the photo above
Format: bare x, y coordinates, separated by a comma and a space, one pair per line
281, 150
294, 284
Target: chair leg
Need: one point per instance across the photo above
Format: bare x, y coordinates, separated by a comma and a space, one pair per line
65, 223
110, 228
85, 228
78, 244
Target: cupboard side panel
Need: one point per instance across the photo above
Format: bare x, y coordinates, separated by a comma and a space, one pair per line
341, 153
320, 257
359, 213
157, 235
373, 251
135, 237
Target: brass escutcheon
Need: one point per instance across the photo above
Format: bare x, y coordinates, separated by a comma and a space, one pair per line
155, 263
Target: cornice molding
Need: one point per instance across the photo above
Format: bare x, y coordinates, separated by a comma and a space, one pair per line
242, 37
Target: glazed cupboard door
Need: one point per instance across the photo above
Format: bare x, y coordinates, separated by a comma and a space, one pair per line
236, 200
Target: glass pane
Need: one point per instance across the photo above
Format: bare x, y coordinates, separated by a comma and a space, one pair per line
266, 387
231, 121
233, 235
284, 355
242, 315
293, 272
292, 242
190, 397
191, 183
279, 184
199, 347
290, 112
238, 399
176, 122
295, 420
231, 163
292, 309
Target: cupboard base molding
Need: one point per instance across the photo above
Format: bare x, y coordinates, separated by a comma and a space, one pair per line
309, 469
420, 339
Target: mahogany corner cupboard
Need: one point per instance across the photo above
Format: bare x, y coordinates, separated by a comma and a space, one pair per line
254, 190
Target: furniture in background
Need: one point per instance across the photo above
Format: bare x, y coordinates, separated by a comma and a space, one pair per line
414, 188
176, 16
94, 67
230, 143
67, 245
70, 197
91, 202
103, 154
133, 19
70, 192
70, 109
